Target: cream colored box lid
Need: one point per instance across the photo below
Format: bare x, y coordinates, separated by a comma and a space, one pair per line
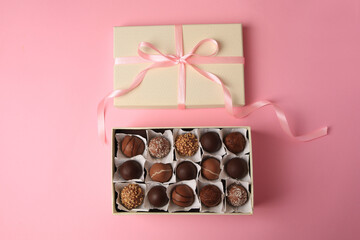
159, 87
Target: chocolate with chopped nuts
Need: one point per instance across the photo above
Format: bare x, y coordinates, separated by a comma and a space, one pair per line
132, 196
187, 144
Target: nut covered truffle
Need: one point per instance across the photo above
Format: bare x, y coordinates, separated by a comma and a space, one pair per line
210, 142
159, 147
235, 142
182, 195
132, 196
237, 195
132, 146
187, 144
210, 195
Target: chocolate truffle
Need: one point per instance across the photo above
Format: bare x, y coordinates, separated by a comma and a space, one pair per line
157, 196
159, 147
236, 195
235, 142
210, 195
161, 172
132, 196
210, 142
236, 168
130, 169
186, 171
182, 195
186, 144
210, 168
132, 146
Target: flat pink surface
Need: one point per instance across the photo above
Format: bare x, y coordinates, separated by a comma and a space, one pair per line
56, 64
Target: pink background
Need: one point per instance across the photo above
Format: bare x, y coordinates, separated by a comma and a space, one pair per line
56, 64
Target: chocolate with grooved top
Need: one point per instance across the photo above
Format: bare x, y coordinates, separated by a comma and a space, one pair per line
182, 195
157, 196
161, 172
235, 142
132, 146
210, 168
236, 168
186, 171
237, 195
130, 169
210, 142
210, 195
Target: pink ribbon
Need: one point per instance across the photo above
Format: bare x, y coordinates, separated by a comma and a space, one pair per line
162, 60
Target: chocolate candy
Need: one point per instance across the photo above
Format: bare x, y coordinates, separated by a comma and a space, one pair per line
159, 147
236, 168
186, 171
237, 195
210, 168
187, 144
161, 172
210, 142
132, 146
132, 196
130, 169
157, 196
235, 142
210, 195
182, 195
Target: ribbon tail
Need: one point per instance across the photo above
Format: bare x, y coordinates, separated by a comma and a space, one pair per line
247, 110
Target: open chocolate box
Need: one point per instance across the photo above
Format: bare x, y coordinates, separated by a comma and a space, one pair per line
200, 170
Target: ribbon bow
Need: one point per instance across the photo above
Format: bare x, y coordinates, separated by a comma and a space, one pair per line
162, 60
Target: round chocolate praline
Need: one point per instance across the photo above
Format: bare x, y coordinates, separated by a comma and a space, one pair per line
132, 146
161, 172
186, 144
235, 142
237, 195
130, 169
210, 195
157, 196
182, 195
159, 147
210, 168
210, 142
236, 168
132, 196
186, 171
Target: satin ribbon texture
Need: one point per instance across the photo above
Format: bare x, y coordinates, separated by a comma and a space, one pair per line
163, 60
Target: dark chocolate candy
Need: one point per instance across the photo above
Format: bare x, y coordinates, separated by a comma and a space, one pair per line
157, 196
235, 142
186, 171
210, 195
130, 169
210, 142
236, 168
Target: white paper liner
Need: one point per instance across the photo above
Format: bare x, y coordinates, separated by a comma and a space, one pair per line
206, 156
147, 204
246, 208
222, 150
198, 168
119, 137
197, 156
243, 131
148, 178
169, 136
226, 158
217, 209
118, 162
196, 204
119, 187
